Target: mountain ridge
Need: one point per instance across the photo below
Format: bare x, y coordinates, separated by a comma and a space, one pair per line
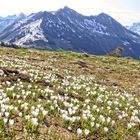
9, 20
66, 29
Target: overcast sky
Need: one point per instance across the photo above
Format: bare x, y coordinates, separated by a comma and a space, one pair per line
125, 11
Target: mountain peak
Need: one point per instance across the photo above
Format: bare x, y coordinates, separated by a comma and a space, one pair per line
104, 15
21, 16
66, 10
108, 20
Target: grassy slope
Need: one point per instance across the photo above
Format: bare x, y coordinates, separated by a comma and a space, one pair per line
107, 71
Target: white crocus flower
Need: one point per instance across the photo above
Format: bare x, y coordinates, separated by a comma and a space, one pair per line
105, 129
20, 114
86, 131
69, 128
6, 114
44, 112
11, 122
97, 125
35, 121
27, 117
92, 124
5, 120
79, 131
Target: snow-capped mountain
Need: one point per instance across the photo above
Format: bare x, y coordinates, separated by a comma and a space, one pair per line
9, 20
66, 29
135, 27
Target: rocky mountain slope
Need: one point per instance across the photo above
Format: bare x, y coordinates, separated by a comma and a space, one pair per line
66, 29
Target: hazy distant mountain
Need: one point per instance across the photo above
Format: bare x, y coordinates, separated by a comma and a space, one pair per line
7, 21
66, 29
135, 27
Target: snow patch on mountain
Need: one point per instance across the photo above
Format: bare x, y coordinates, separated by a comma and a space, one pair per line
33, 32
126, 43
135, 27
96, 27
